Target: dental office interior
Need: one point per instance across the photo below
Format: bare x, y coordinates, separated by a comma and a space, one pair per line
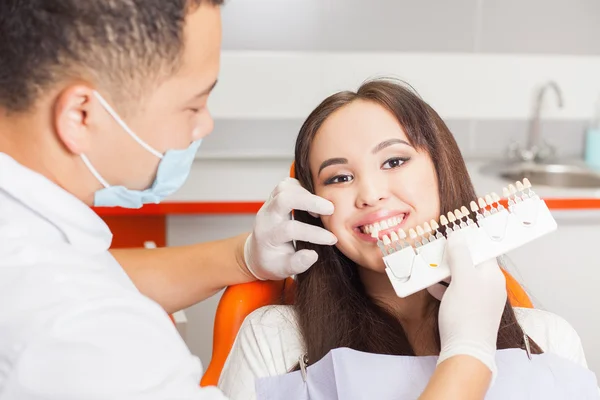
507, 76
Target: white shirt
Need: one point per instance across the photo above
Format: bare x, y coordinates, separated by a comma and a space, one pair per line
72, 324
269, 343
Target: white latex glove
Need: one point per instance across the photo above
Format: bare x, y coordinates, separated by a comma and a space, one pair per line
269, 252
471, 306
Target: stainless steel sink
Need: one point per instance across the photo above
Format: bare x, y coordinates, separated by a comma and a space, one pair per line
546, 174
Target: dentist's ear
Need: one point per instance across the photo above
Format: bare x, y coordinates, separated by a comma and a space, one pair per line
71, 118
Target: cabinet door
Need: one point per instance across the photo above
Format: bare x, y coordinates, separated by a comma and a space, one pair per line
135, 231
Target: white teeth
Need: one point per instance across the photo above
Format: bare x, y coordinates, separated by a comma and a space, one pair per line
386, 240
443, 220
434, 225
394, 237
520, 186
474, 207
381, 225
401, 234
482, 203
464, 211
412, 233
526, 183
451, 217
420, 231
488, 200
375, 235
427, 227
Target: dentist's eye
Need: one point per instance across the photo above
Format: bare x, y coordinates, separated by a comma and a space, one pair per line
338, 179
394, 162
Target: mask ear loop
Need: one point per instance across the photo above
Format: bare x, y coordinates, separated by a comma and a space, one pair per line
94, 172
116, 117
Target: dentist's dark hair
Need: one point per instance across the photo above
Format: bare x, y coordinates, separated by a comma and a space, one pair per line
331, 303
119, 44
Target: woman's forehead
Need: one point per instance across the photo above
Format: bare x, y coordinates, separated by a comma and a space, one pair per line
355, 128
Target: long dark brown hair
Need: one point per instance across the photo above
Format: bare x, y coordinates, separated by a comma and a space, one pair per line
331, 303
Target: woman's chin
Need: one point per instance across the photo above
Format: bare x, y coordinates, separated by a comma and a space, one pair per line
376, 265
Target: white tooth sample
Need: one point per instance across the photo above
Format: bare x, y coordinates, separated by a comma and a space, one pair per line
383, 225
420, 231
488, 200
451, 217
520, 186
377, 226
512, 189
464, 211
458, 214
386, 240
443, 220
481, 203
427, 227
526, 183
474, 207
394, 237
434, 225
401, 234
495, 197
412, 233
505, 192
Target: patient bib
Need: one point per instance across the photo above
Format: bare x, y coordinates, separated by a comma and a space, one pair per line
347, 374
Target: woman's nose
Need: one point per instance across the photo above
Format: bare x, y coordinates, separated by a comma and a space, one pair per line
371, 193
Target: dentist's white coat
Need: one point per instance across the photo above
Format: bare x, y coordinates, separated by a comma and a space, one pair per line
72, 324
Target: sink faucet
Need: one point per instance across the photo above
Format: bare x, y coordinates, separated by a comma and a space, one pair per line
535, 149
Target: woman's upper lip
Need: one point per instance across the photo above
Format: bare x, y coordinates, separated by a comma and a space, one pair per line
378, 216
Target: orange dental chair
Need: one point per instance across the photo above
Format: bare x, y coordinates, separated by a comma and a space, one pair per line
239, 301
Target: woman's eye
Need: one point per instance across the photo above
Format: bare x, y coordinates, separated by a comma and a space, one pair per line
338, 179
394, 162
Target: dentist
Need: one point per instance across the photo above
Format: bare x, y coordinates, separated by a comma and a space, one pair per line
103, 103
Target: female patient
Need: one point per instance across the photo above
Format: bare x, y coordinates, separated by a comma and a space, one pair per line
380, 154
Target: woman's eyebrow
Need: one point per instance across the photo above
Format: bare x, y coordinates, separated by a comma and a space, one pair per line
387, 143
332, 161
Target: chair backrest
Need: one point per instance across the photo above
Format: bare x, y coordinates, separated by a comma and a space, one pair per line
240, 300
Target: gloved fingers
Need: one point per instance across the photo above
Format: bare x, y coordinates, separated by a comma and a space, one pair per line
459, 256
296, 230
298, 198
491, 273
302, 260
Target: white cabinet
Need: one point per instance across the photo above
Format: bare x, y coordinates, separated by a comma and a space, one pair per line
561, 271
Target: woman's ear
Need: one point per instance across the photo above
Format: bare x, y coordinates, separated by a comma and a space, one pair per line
71, 118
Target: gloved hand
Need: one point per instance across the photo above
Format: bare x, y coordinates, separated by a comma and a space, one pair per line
471, 306
269, 252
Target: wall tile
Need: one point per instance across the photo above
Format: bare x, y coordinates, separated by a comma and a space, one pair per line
541, 26
349, 25
492, 138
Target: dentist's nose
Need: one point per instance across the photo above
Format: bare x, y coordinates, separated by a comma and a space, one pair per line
371, 192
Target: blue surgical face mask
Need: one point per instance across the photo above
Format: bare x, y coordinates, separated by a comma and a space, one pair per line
173, 170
